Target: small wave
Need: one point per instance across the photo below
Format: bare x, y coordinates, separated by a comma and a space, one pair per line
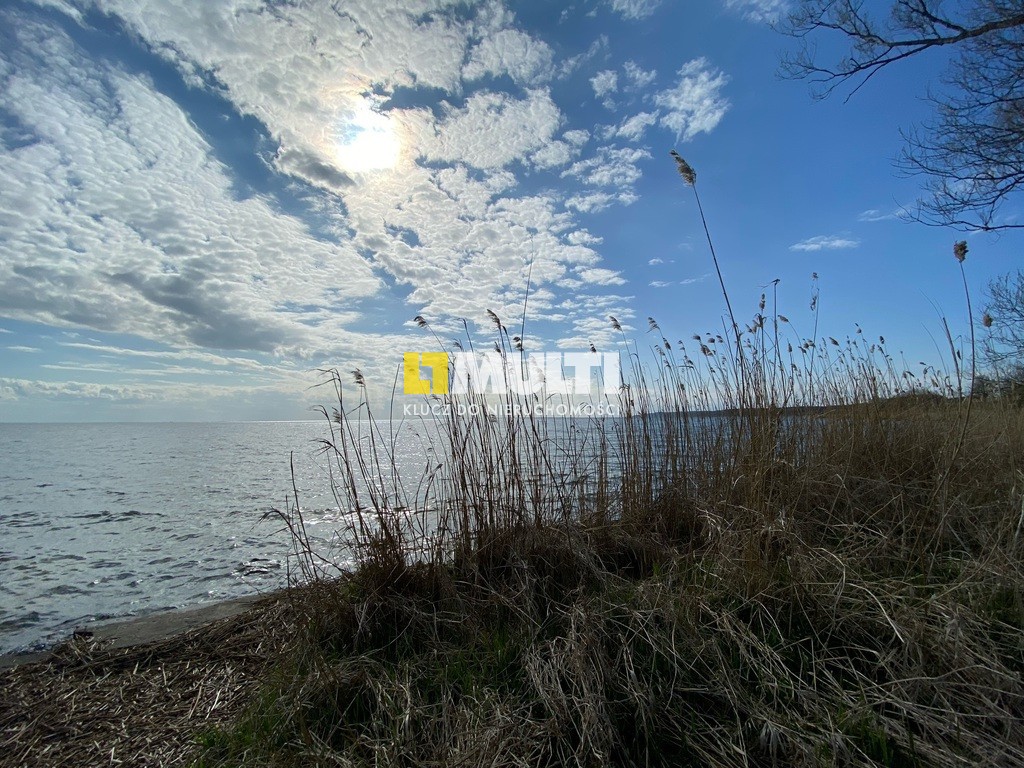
27, 619
259, 565
64, 590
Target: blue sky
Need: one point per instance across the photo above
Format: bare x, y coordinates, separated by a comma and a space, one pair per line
203, 203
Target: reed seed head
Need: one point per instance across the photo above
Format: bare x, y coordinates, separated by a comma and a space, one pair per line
986, 320
960, 250
685, 169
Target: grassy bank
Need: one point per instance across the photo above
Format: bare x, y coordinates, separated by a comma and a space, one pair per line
836, 584
826, 573
788, 550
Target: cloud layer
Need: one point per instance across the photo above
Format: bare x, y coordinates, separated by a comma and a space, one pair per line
121, 214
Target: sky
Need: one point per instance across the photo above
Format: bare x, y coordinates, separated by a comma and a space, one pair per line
202, 205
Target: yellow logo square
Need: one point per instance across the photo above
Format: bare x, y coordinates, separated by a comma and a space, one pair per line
414, 384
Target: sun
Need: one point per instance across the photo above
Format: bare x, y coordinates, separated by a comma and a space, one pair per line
366, 140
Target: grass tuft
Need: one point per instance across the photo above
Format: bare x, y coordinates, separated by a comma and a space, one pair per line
789, 550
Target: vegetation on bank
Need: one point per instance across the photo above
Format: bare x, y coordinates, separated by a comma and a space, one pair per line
789, 550
774, 586
855, 600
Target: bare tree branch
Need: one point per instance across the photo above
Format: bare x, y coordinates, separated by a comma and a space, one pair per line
972, 152
1003, 344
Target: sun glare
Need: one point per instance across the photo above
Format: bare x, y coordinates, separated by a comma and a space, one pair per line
367, 141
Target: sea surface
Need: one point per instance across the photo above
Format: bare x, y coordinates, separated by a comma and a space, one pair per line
104, 521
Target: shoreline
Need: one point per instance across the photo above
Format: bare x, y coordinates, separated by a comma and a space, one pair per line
142, 691
132, 631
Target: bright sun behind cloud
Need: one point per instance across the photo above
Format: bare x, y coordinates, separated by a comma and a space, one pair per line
366, 140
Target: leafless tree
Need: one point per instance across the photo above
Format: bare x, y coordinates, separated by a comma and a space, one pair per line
972, 152
1003, 346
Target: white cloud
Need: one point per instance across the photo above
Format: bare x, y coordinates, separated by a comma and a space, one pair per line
526, 60
119, 218
194, 355
570, 65
759, 10
493, 129
15, 389
64, 6
4, 330
583, 237
601, 276
554, 155
610, 167
655, 262
577, 137
474, 242
171, 250
695, 105
19, 348
609, 177
592, 202
633, 128
639, 78
591, 325
874, 214
635, 9
141, 392
604, 83
824, 243
302, 66
685, 281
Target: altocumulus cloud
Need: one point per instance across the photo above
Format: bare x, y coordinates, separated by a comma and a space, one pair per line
461, 244
759, 10
695, 104
635, 9
117, 217
825, 243
165, 247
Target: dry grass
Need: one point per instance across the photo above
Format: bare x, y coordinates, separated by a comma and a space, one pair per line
828, 585
827, 570
143, 706
790, 550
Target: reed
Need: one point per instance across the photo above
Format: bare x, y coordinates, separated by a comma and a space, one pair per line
787, 550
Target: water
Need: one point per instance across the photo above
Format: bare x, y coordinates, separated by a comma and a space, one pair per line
105, 521
112, 520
